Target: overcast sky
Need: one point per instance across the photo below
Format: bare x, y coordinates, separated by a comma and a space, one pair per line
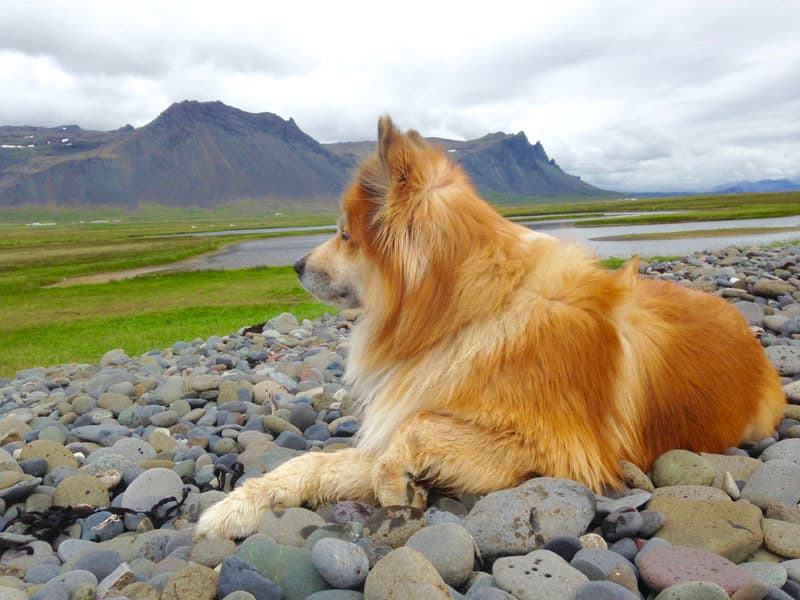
654, 95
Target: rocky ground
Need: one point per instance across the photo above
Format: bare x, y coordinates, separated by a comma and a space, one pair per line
105, 468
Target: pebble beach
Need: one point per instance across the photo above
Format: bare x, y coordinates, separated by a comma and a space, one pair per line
105, 468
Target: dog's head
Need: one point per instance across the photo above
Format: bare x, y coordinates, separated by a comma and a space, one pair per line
408, 220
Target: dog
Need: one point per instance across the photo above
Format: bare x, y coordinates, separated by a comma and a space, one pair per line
487, 354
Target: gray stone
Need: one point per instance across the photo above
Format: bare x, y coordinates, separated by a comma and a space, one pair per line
289, 567
598, 563
751, 311
342, 564
539, 575
604, 590
336, 595
62, 586
211, 552
766, 572
631, 501
405, 573
783, 450
774, 481
151, 487
237, 575
449, 548
785, 359
696, 590
524, 518
283, 323
100, 562
72, 547
290, 526
104, 435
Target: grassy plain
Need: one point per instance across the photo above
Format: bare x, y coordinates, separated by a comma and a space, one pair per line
41, 326
680, 209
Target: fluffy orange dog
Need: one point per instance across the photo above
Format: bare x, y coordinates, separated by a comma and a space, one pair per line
487, 353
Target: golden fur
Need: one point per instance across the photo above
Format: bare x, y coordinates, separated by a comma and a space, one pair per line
487, 353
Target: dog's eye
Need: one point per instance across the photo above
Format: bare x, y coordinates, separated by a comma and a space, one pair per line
345, 236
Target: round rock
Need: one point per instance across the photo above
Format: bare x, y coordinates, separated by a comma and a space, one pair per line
537, 575
523, 518
681, 467
151, 487
193, 581
290, 526
782, 538
405, 573
342, 564
236, 575
604, 590
81, 490
55, 454
449, 548
784, 450
664, 566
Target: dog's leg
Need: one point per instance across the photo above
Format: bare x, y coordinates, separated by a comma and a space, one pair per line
433, 450
313, 478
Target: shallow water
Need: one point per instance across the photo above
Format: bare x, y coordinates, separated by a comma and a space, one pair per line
281, 251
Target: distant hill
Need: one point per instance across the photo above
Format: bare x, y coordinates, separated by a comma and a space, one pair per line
498, 162
763, 185
208, 153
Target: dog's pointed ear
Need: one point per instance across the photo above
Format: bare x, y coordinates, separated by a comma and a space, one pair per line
416, 138
397, 151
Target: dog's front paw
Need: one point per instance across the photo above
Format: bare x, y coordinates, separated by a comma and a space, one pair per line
234, 517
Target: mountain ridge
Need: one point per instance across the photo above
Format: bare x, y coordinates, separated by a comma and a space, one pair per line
208, 153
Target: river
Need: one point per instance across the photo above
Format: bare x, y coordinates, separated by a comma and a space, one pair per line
280, 251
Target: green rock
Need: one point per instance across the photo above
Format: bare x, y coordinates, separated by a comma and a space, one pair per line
289, 567
83, 404
276, 425
730, 529
114, 402
184, 468
225, 446
211, 552
681, 467
54, 433
290, 526
182, 407
81, 490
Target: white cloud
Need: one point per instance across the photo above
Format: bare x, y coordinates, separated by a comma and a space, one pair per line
629, 95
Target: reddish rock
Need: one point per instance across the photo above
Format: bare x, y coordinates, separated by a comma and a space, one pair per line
664, 566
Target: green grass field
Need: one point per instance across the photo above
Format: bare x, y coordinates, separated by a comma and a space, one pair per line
48, 326
43, 326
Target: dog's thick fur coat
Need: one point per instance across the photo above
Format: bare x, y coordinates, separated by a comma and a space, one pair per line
488, 354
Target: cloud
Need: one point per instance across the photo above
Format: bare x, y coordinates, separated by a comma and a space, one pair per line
629, 95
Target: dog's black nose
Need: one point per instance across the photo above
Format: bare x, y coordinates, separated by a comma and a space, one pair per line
300, 266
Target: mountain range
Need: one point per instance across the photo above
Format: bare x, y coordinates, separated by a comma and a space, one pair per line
760, 186
208, 153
